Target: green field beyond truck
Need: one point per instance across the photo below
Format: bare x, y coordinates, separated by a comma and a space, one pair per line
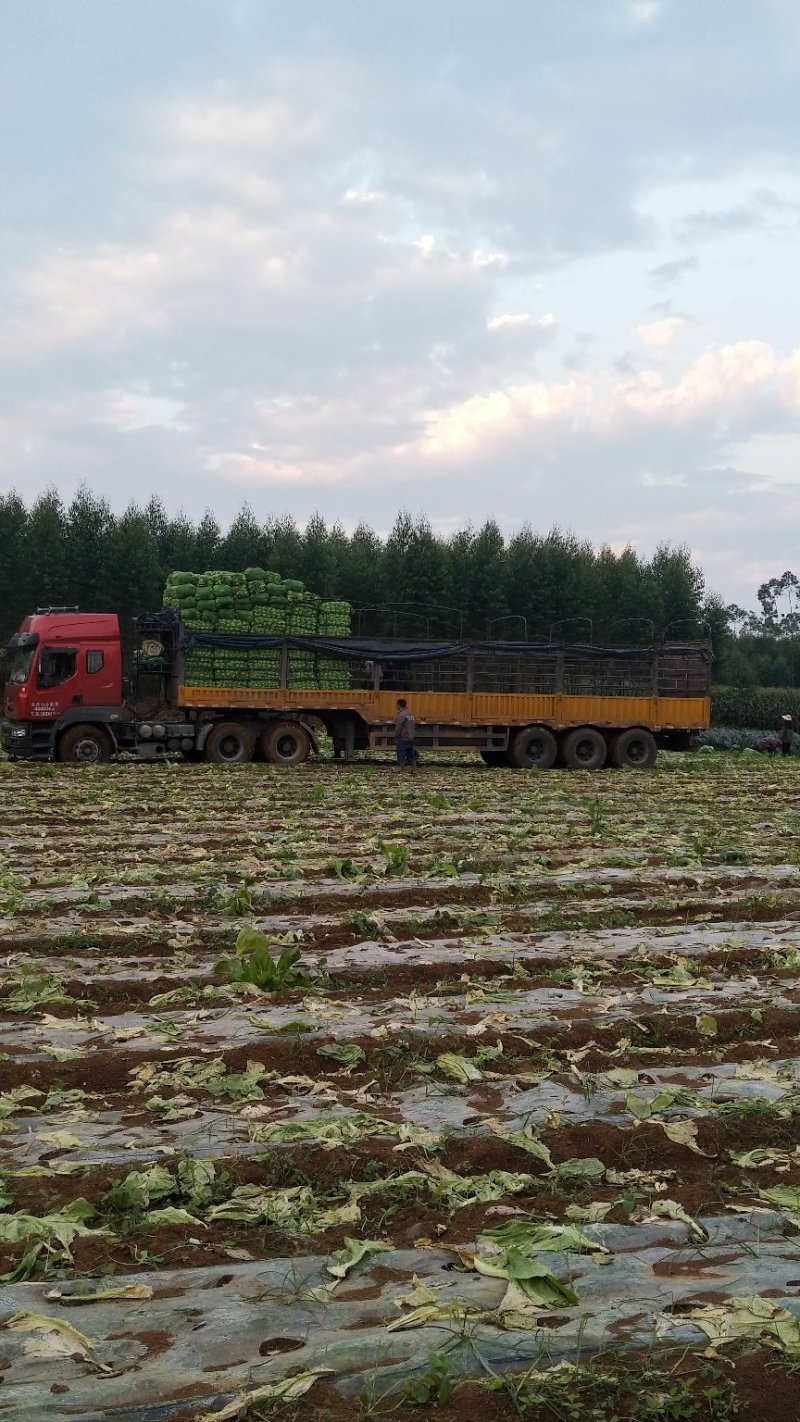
242, 666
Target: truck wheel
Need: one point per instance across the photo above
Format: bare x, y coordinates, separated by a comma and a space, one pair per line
634, 749
84, 745
584, 749
229, 743
494, 758
286, 743
534, 747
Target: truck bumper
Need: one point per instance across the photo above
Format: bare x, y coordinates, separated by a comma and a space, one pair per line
27, 740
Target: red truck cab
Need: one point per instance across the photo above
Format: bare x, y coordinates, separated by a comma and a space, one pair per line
62, 666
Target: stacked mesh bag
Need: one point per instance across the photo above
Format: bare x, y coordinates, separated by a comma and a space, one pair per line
332, 674
262, 603
267, 620
302, 620
229, 596
200, 667
181, 592
265, 668
265, 617
334, 621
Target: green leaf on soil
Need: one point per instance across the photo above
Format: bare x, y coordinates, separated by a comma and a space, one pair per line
26, 1265
196, 1179
531, 1237
527, 1140
580, 1168
83, 1294
51, 1337
670, 1210
32, 992
418, 1295
178, 1108
451, 1311
354, 1252
756, 1319
329, 1131
786, 1197
593, 1213
535, 1280
458, 1068
65, 1054
623, 1077
348, 1054
14, 1100
60, 1140
139, 1188
459, 1191
287, 1390
170, 1215
683, 1133
61, 1227
347, 869
296, 1210
763, 1158
643, 1108
676, 976
242, 1085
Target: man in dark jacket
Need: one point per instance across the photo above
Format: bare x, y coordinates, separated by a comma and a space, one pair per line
787, 731
405, 729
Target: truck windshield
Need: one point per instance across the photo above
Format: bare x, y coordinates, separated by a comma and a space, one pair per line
21, 663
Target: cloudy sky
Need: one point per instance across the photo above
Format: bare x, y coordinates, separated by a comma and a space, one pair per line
536, 259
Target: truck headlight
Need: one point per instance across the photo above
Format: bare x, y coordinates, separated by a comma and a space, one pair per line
18, 733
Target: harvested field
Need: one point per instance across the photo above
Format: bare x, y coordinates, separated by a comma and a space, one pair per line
515, 1127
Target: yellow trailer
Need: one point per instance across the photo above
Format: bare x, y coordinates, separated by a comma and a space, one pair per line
521, 704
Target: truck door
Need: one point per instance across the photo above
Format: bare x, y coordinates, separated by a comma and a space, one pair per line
59, 685
102, 676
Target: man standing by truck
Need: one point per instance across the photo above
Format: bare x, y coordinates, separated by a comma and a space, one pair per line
405, 729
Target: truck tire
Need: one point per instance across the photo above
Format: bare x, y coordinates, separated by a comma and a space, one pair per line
634, 749
286, 743
85, 745
534, 747
494, 758
229, 743
584, 749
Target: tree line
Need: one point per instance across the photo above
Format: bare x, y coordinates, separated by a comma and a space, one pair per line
474, 583
763, 648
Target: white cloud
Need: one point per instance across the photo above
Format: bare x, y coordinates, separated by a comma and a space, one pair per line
233, 125
522, 321
729, 387
361, 195
643, 12
509, 322
481, 258
130, 410
659, 335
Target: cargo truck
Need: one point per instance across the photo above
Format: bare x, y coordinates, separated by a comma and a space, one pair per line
523, 704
